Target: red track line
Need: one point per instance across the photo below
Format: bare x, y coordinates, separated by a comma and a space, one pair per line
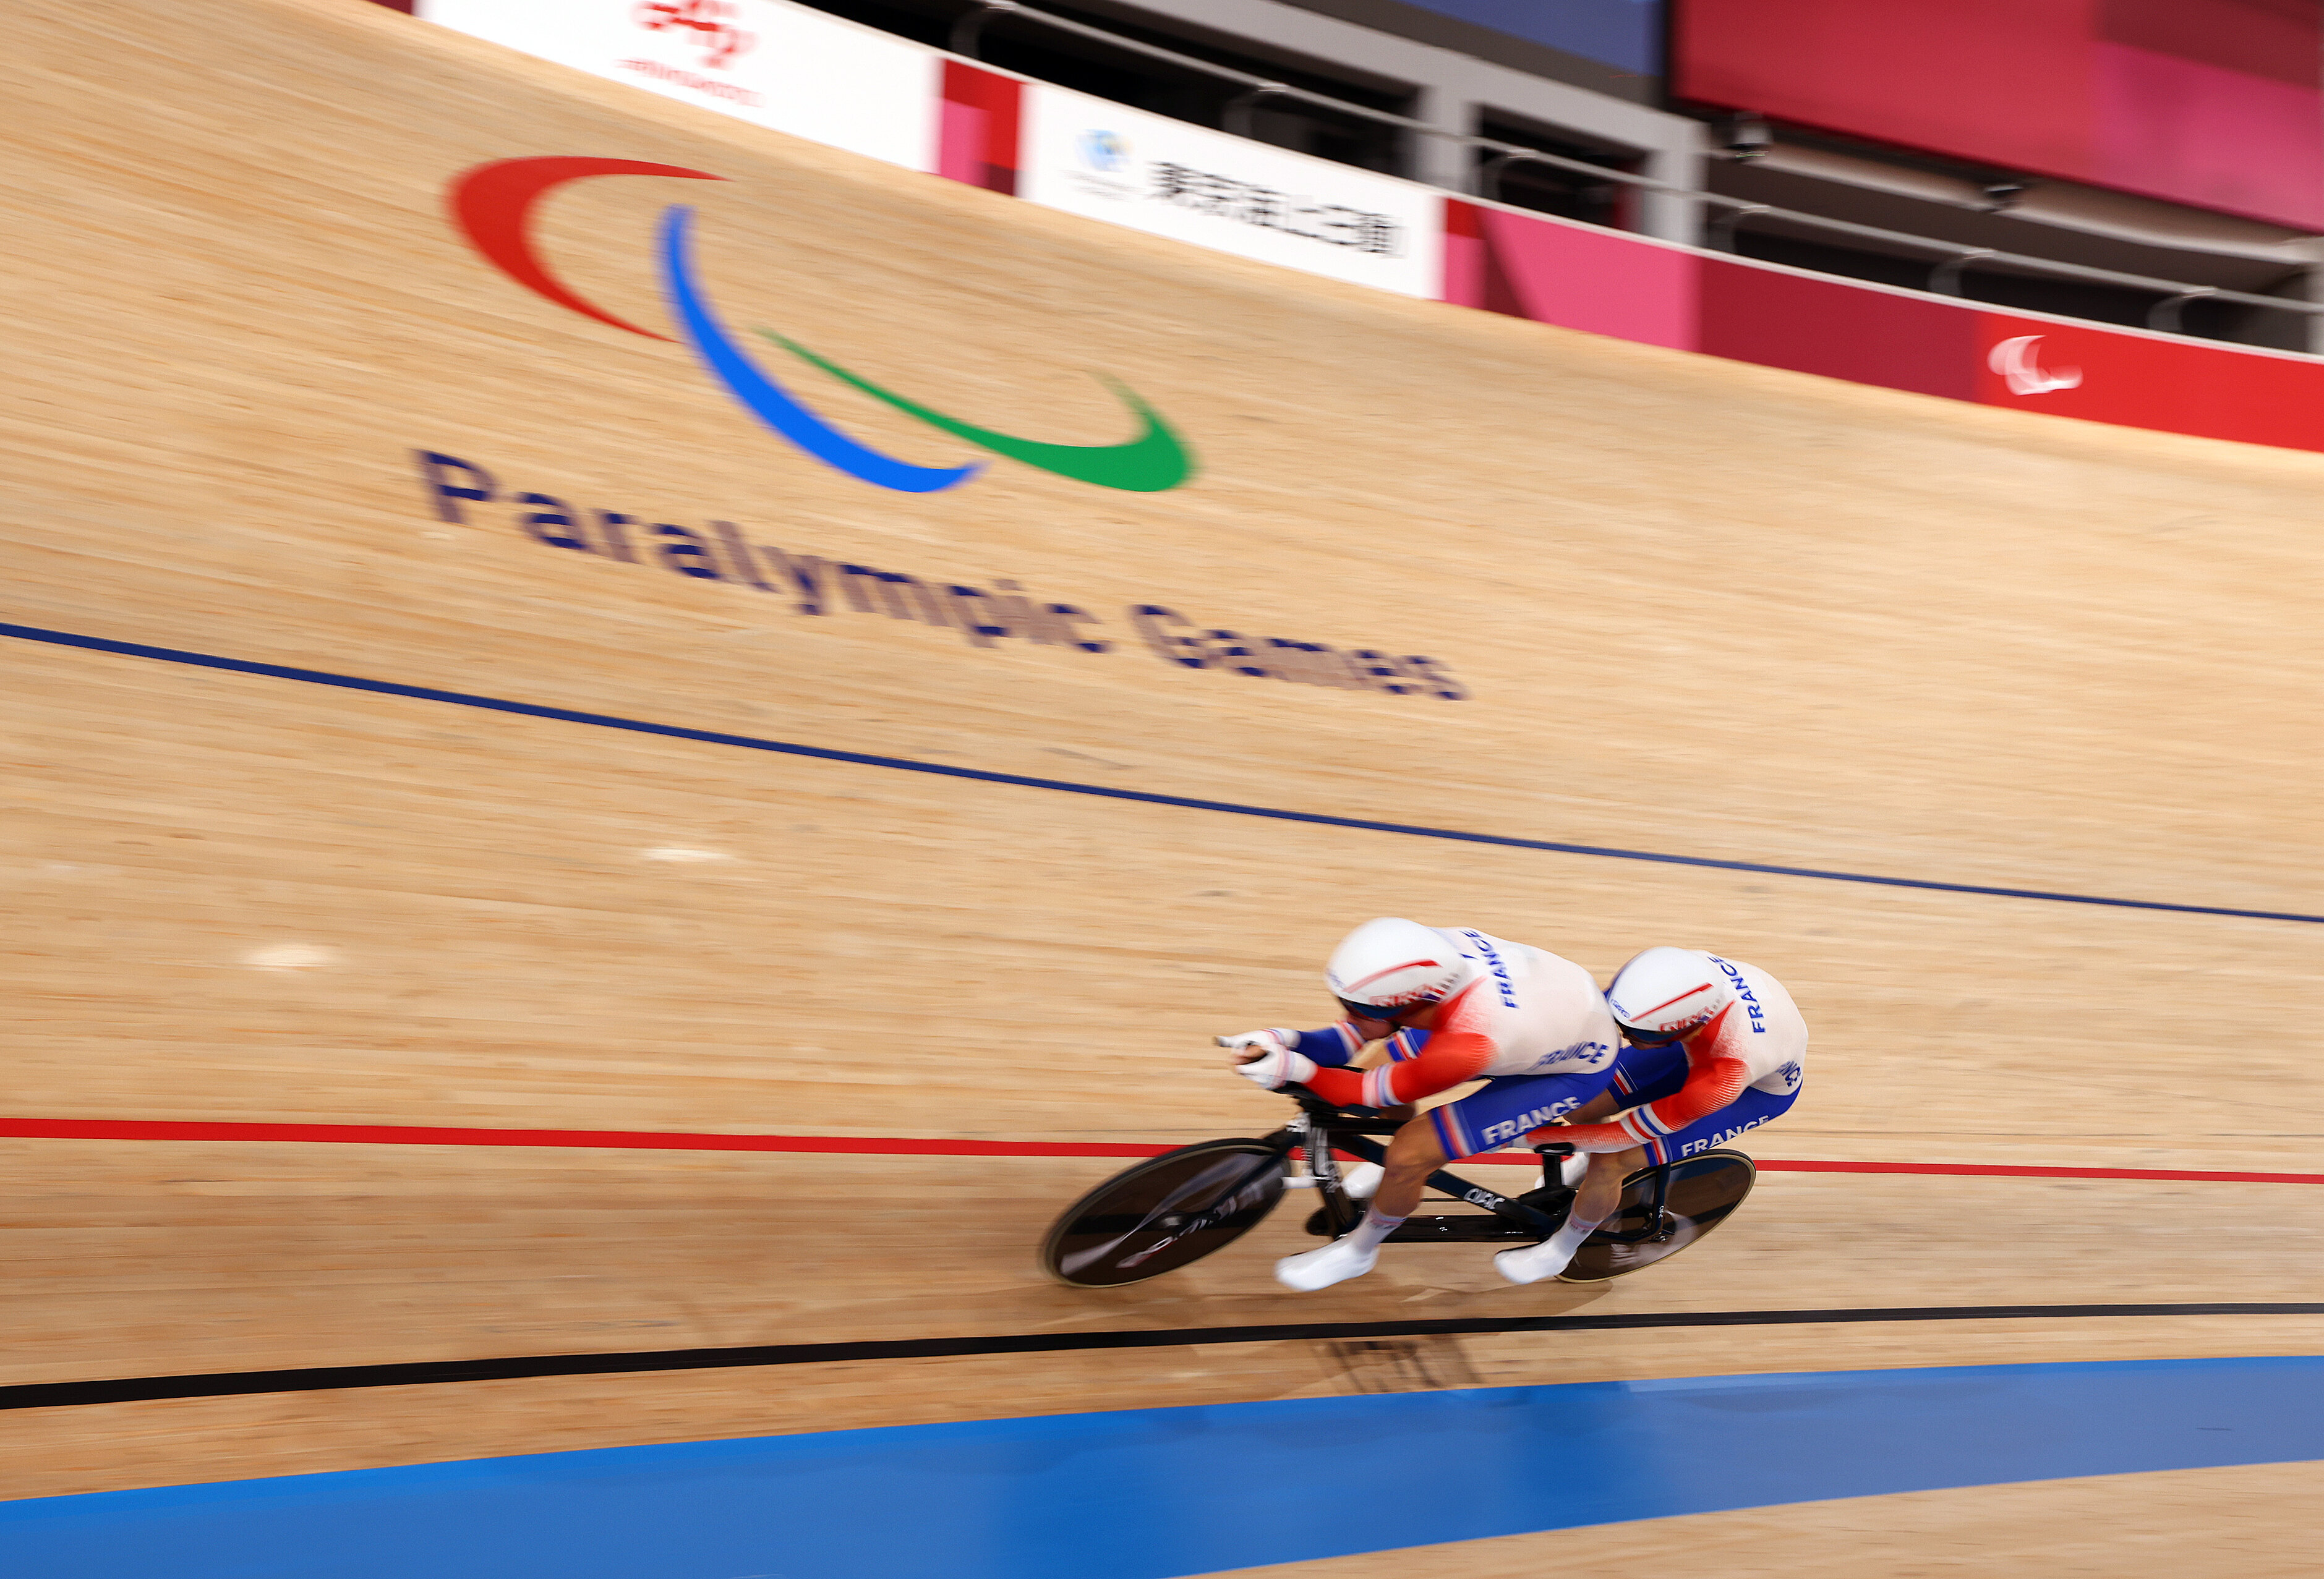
395, 1134
391, 1134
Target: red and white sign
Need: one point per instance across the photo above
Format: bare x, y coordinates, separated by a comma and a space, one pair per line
796, 71
2151, 381
773, 64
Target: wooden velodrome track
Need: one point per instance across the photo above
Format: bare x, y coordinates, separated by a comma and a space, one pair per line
1701, 608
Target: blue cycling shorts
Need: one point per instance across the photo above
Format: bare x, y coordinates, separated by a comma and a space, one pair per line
1648, 1074
1510, 1106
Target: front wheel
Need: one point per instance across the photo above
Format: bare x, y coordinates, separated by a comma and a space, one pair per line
1164, 1213
1703, 1192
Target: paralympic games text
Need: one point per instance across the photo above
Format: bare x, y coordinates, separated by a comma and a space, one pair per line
814, 585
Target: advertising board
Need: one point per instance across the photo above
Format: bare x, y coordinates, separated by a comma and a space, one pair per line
775, 65
1092, 157
799, 71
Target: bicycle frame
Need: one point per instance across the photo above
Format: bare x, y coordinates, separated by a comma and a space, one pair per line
1321, 1128
1659, 1225
1186, 1202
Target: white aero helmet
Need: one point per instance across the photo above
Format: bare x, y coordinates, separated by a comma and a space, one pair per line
1389, 965
1664, 993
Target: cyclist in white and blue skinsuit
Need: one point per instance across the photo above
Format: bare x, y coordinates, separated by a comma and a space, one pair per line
1456, 1005
1715, 1046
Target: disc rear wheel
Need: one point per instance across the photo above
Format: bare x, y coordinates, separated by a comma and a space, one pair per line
1703, 1192
1164, 1213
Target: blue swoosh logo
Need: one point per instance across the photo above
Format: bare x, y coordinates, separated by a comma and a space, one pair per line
766, 399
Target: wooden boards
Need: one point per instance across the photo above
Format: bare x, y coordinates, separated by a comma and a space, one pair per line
1698, 609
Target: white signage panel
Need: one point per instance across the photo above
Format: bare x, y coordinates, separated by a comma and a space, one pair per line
1092, 157
773, 64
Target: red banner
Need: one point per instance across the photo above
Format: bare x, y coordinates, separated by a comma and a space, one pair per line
1578, 276
2211, 103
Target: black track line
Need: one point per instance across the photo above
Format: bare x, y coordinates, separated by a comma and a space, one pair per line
1070, 786
330, 1378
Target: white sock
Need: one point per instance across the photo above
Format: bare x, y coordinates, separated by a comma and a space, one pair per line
1568, 1238
1367, 1235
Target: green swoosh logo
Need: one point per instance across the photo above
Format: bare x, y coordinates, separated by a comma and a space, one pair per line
1155, 460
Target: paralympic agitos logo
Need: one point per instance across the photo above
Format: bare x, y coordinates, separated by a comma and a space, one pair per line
493, 204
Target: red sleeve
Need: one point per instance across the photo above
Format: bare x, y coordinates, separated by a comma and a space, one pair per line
1709, 1085
1451, 1059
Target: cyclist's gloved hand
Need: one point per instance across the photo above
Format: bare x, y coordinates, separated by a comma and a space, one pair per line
1256, 1042
1278, 1063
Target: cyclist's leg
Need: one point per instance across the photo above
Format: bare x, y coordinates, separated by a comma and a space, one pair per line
1641, 1075
1648, 1079
1414, 1152
1602, 1188
1412, 1155
1594, 1201
1505, 1111
1482, 1121
1507, 1108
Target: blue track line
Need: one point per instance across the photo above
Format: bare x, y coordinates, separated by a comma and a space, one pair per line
1160, 1493
1106, 791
